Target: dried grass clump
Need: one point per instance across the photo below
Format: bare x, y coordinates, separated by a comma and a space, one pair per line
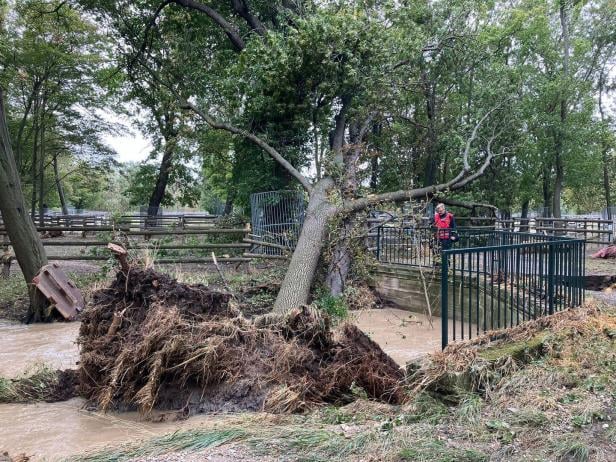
481, 363
151, 342
361, 298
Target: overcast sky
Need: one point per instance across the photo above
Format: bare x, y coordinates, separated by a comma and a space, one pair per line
131, 147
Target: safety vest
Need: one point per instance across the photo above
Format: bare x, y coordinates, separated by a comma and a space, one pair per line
443, 225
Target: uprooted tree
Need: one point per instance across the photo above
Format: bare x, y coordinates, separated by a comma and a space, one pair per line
332, 196
25, 240
284, 77
287, 70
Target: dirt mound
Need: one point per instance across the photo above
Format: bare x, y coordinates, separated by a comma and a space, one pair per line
149, 341
481, 363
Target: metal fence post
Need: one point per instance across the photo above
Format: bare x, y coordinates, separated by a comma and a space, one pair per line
444, 296
551, 264
378, 243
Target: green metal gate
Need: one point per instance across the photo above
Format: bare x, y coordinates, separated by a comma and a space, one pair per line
491, 279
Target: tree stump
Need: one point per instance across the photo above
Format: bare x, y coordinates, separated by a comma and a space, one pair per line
7, 259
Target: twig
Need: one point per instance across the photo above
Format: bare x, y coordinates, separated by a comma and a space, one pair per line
222, 276
428, 305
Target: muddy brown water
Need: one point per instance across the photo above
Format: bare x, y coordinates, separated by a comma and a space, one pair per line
22, 346
403, 335
53, 431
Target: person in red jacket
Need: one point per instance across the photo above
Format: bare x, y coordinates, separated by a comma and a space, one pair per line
445, 224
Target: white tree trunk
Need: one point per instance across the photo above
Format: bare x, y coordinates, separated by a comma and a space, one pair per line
295, 289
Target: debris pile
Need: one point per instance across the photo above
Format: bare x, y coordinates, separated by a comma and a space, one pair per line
150, 342
480, 364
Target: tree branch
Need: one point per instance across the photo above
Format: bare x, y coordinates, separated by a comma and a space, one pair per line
215, 16
459, 181
466, 205
271, 151
241, 8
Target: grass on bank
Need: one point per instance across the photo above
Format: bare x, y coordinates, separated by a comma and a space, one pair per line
33, 385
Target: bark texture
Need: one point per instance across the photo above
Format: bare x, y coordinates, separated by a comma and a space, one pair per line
295, 289
163, 177
26, 242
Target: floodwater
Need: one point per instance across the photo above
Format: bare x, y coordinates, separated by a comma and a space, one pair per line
24, 345
52, 431
403, 335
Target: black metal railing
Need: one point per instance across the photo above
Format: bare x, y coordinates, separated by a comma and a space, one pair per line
491, 279
421, 246
520, 278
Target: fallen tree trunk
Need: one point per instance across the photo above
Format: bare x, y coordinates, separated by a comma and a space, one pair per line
328, 198
295, 288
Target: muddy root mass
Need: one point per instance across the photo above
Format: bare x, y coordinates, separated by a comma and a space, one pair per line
151, 342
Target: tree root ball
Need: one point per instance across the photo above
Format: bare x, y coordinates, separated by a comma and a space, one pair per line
150, 342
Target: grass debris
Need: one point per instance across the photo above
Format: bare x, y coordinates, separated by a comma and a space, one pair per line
149, 342
41, 384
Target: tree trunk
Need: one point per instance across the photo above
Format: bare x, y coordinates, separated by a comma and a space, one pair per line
524, 216
41, 177
59, 186
341, 259
431, 151
33, 167
26, 242
295, 289
229, 202
558, 186
606, 182
547, 199
560, 133
374, 161
605, 149
163, 177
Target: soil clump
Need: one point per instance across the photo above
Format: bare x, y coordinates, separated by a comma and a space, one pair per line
150, 342
46, 385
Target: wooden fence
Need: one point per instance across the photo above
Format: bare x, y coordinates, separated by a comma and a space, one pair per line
198, 234
594, 231
138, 232
181, 221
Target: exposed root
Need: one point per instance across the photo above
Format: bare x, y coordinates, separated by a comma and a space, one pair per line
150, 342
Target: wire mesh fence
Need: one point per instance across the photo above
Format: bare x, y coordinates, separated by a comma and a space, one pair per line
276, 218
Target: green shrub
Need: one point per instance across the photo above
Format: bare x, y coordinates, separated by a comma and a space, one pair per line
334, 306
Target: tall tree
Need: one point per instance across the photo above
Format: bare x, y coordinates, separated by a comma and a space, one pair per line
18, 224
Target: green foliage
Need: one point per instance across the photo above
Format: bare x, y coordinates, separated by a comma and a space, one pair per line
425, 407
335, 306
187, 440
51, 70
571, 449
